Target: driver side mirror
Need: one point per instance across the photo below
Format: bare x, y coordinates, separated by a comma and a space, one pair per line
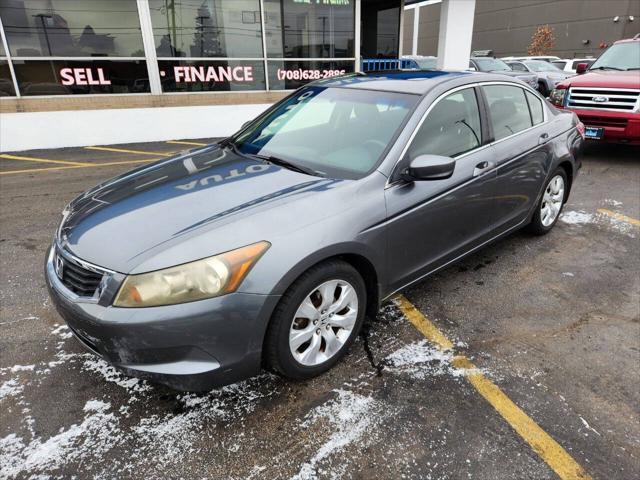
429, 167
581, 68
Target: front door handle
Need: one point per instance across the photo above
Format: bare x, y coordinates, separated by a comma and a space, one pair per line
544, 138
483, 167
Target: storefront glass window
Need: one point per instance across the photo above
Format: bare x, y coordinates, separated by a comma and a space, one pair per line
292, 74
211, 76
310, 29
73, 77
72, 28
6, 84
207, 28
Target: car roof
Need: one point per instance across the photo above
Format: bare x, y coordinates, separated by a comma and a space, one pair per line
417, 82
628, 40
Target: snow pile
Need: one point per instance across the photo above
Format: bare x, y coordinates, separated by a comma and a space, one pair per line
95, 364
89, 439
165, 438
10, 388
573, 217
350, 416
420, 360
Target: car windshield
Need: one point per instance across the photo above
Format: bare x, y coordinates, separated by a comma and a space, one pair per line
492, 65
541, 66
336, 132
623, 56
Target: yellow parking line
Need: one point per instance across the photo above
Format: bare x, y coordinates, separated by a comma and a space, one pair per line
619, 216
136, 152
41, 160
87, 165
540, 441
180, 142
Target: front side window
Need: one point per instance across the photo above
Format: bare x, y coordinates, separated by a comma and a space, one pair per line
560, 64
518, 67
451, 128
508, 109
69, 28
541, 66
207, 28
338, 132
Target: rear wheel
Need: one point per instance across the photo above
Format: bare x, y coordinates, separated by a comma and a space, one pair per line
316, 321
550, 205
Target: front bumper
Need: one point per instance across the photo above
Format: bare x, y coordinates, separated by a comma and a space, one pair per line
619, 127
193, 346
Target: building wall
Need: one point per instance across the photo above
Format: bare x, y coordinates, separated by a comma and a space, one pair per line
506, 26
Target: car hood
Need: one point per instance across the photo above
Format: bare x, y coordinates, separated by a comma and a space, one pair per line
125, 222
605, 79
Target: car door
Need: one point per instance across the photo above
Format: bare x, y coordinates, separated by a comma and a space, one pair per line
430, 222
521, 149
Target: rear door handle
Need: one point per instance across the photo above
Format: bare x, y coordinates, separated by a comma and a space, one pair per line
544, 138
483, 167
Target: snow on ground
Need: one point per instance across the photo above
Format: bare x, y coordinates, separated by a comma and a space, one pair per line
350, 416
138, 431
580, 218
573, 217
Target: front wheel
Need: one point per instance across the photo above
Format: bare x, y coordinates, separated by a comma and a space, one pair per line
316, 321
550, 205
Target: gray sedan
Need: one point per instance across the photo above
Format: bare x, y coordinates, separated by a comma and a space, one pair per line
269, 248
548, 74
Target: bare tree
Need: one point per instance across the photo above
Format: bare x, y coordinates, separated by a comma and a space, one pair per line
542, 41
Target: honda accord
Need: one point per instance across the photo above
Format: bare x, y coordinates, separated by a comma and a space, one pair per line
269, 248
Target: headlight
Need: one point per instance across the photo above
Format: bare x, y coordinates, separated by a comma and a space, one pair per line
557, 96
206, 278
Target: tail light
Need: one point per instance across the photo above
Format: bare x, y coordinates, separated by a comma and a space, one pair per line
580, 128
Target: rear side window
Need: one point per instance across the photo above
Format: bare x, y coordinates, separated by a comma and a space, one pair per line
508, 110
535, 105
560, 64
451, 128
518, 67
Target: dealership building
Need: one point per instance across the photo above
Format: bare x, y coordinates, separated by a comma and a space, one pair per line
80, 72
88, 72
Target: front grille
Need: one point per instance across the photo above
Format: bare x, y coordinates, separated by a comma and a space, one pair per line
593, 121
621, 99
77, 278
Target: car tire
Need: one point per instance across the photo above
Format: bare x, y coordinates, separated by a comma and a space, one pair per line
542, 88
551, 202
291, 321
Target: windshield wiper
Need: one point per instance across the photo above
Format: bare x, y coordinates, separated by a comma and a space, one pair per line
281, 162
608, 68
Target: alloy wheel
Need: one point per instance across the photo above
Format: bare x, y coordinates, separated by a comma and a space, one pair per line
323, 322
552, 201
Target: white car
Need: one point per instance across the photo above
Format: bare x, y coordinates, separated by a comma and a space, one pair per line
569, 65
546, 58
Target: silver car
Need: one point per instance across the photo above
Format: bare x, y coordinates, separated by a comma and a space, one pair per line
548, 74
269, 248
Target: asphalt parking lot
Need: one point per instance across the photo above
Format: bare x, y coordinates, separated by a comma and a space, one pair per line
550, 324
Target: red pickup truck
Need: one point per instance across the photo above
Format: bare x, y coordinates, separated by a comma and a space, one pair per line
606, 96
